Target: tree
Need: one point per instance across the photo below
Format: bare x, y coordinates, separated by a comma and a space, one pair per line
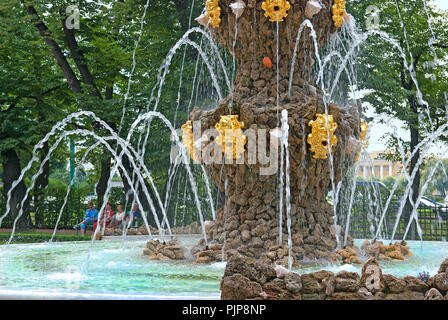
393, 89
96, 60
32, 96
438, 182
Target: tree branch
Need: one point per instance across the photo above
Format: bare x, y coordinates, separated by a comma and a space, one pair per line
442, 46
80, 61
61, 59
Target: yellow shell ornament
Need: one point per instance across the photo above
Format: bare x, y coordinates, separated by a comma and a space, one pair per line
362, 136
339, 12
187, 139
275, 9
213, 12
318, 138
230, 124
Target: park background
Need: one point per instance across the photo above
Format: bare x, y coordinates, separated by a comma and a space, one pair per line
48, 72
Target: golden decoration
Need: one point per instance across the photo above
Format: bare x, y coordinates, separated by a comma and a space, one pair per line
364, 129
339, 12
363, 134
236, 138
187, 139
275, 9
318, 138
213, 12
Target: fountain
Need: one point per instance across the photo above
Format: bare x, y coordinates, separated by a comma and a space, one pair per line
275, 212
267, 31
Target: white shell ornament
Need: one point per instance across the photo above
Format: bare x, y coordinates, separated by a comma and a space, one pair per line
238, 8
203, 20
313, 7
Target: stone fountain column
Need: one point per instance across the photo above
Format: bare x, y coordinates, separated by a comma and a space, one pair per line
249, 221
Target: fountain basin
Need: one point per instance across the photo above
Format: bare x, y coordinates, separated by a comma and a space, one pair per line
427, 256
117, 269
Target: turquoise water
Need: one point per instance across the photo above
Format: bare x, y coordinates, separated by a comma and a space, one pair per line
427, 256
117, 270
115, 267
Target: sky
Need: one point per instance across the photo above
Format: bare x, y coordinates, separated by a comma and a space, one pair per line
378, 130
443, 4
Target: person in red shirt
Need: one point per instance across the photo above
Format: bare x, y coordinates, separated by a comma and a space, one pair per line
108, 214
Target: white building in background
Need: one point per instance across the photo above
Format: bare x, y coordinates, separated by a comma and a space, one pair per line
371, 164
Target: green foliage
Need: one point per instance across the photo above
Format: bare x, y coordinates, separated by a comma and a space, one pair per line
438, 182
382, 69
54, 197
34, 92
31, 89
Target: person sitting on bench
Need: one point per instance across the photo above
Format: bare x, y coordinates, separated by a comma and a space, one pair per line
118, 218
90, 217
133, 215
107, 215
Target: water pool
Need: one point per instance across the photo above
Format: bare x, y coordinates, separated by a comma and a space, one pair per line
427, 256
116, 269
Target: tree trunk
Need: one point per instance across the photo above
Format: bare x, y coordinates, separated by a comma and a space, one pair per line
104, 177
11, 172
142, 196
415, 140
57, 52
101, 187
41, 184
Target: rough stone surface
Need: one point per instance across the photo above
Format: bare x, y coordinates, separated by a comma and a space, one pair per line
433, 294
394, 284
276, 289
415, 284
406, 295
440, 281
254, 271
238, 287
347, 282
250, 220
109, 232
164, 251
344, 296
293, 282
444, 266
322, 282
365, 294
323, 285
378, 296
313, 296
394, 252
206, 254
372, 277
347, 255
